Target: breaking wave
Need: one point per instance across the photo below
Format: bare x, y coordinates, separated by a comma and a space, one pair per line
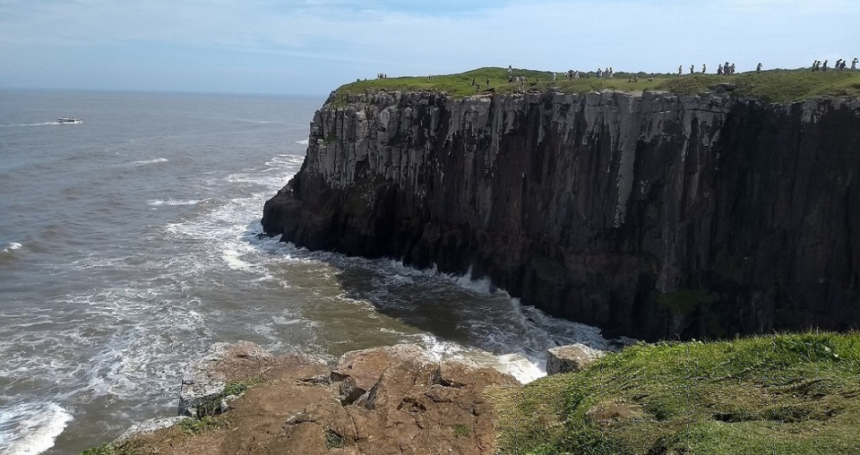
171, 202
153, 161
30, 429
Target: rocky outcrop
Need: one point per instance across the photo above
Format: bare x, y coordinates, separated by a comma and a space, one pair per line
570, 359
649, 215
410, 403
204, 381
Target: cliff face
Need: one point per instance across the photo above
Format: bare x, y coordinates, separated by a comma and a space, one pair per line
649, 215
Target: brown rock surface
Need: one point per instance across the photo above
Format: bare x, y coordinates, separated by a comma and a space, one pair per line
411, 404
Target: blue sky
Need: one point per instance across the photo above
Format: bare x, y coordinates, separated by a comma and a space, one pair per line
313, 46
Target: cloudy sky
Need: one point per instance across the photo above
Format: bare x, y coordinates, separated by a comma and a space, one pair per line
313, 46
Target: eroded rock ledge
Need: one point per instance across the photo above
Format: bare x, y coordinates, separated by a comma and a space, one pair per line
649, 215
392, 400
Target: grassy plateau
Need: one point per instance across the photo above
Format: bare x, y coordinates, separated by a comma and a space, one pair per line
780, 394
776, 86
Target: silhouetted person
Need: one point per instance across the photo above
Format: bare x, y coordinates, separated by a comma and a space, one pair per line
824, 66
758, 68
704, 68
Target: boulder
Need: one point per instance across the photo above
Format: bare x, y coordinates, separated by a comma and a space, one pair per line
573, 358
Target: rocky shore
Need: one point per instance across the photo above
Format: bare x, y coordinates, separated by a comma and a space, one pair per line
391, 400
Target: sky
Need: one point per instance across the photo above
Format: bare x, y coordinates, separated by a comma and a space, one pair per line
310, 47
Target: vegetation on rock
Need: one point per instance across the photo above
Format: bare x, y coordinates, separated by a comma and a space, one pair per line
775, 86
786, 394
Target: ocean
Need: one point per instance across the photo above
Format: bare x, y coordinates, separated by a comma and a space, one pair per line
130, 243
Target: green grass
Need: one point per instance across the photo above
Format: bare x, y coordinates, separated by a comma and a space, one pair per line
777, 86
127, 448
333, 439
461, 431
202, 425
785, 394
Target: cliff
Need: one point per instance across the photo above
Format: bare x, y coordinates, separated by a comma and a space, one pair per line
650, 215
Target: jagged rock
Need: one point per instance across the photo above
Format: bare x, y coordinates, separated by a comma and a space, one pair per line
573, 358
649, 215
203, 381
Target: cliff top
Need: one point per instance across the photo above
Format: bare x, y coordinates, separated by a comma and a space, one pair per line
775, 86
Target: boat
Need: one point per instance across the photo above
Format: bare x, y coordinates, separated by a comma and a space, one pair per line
69, 121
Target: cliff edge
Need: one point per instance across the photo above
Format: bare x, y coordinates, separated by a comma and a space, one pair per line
650, 215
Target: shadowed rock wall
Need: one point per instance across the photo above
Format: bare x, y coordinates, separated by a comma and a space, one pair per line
649, 215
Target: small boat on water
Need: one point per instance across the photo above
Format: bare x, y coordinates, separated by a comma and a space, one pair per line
69, 121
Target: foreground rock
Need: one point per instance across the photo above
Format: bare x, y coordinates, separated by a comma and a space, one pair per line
395, 400
649, 215
570, 359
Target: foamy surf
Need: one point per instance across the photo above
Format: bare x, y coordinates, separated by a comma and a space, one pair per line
153, 161
30, 429
171, 202
517, 365
12, 247
29, 124
303, 142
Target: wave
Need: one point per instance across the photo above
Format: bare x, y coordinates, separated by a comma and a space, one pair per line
154, 161
28, 124
304, 142
37, 425
8, 253
171, 202
12, 247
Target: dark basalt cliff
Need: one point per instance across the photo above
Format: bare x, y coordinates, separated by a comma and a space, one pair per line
649, 215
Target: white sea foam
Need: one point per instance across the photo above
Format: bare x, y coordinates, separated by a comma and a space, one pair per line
29, 429
29, 124
302, 142
171, 202
153, 161
232, 258
12, 247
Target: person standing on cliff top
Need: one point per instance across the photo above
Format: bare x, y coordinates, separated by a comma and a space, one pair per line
692, 69
704, 68
680, 70
758, 68
824, 66
854, 64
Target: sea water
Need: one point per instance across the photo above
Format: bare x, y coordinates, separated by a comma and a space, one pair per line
129, 243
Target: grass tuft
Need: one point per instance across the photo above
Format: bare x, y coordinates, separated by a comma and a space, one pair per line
202, 425
461, 431
333, 439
